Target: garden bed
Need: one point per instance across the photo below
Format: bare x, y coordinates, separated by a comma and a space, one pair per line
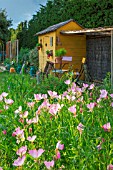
68, 128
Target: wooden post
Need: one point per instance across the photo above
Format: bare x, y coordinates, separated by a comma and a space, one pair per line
112, 58
17, 50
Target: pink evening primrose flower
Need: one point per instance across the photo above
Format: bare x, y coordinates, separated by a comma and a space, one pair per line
35, 154
91, 86
67, 82
44, 96
37, 97
19, 161
4, 132
30, 104
54, 108
21, 151
90, 106
111, 95
57, 156
85, 85
59, 145
18, 110
103, 93
49, 164
6, 107
80, 127
1, 168
9, 101
72, 109
31, 139
24, 115
4, 94
110, 167
107, 127
53, 94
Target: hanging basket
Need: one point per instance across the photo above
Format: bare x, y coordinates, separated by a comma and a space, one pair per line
58, 60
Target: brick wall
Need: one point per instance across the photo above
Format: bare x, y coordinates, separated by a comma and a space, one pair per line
98, 56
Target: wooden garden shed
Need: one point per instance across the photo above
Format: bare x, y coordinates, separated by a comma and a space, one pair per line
52, 39
99, 50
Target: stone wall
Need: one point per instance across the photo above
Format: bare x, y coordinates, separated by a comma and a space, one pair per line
98, 56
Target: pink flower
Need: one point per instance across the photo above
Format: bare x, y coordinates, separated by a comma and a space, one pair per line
30, 104
1, 168
107, 127
85, 85
90, 106
59, 145
9, 101
37, 97
31, 139
54, 108
112, 104
18, 110
99, 147
35, 154
21, 151
24, 115
19, 134
53, 94
67, 82
44, 96
80, 127
103, 93
6, 107
111, 95
4, 94
49, 164
4, 132
19, 161
72, 109
110, 167
91, 86
57, 156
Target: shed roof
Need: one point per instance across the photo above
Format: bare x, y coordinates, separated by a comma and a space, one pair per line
88, 30
55, 27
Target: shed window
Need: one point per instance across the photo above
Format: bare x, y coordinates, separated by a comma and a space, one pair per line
51, 41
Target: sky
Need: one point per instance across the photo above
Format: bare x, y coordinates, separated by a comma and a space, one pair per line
20, 10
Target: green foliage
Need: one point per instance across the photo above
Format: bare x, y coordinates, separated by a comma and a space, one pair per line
39, 45
4, 25
7, 61
55, 11
23, 55
60, 52
52, 83
34, 58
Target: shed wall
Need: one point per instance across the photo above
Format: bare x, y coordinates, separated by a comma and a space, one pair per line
74, 44
98, 56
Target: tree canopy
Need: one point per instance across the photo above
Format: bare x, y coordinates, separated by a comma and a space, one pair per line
4, 25
88, 13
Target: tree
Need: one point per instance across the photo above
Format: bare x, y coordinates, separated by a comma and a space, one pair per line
4, 25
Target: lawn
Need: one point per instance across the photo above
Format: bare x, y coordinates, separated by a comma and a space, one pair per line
55, 124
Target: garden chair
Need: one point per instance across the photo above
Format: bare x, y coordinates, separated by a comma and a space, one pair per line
49, 66
79, 73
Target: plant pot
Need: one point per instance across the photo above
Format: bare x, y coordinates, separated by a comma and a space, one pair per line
50, 58
38, 48
58, 60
